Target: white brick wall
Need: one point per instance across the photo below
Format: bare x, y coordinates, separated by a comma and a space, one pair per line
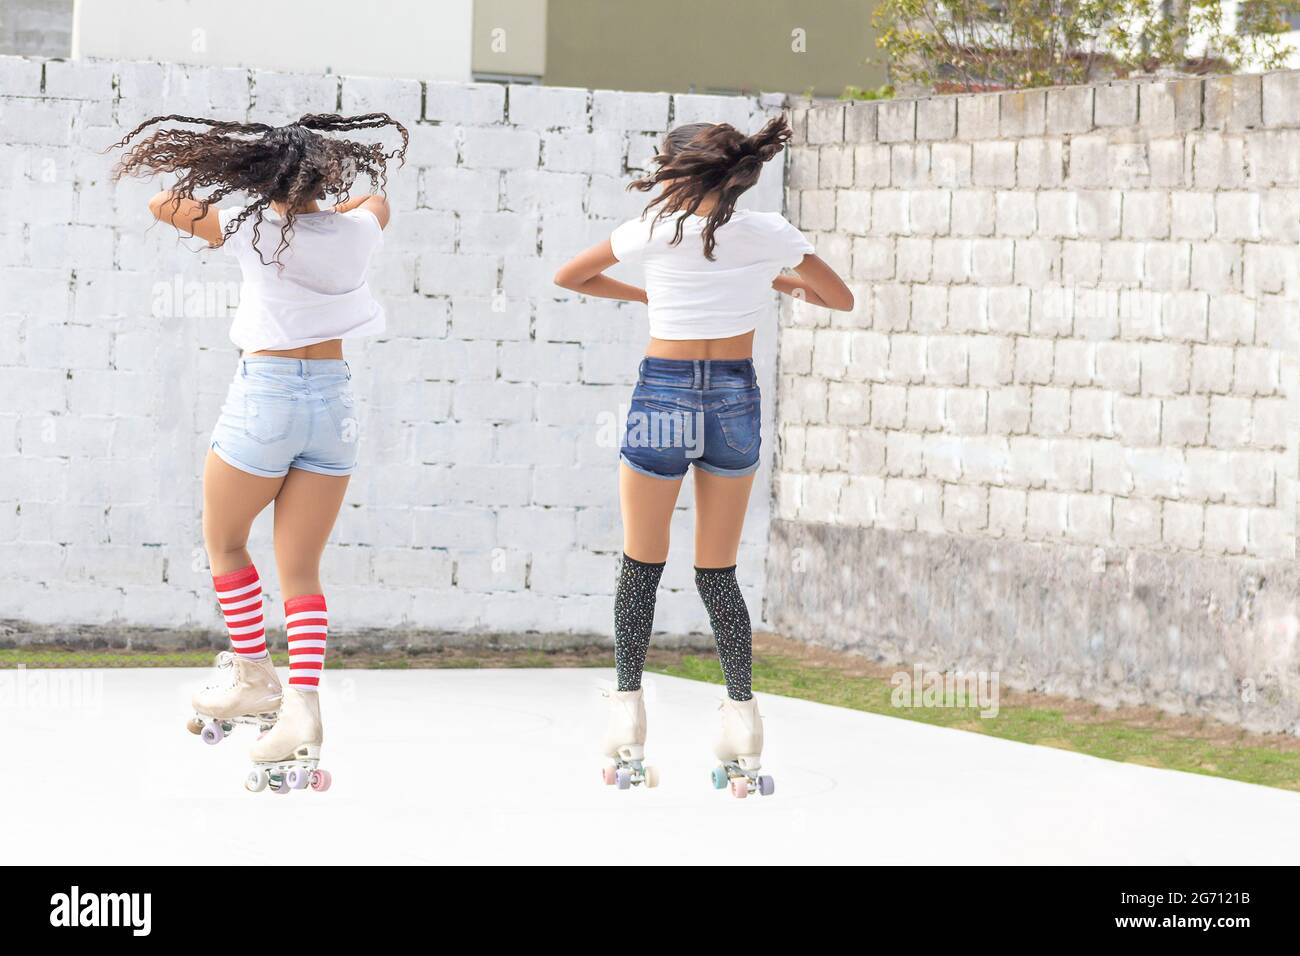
486, 495
1076, 317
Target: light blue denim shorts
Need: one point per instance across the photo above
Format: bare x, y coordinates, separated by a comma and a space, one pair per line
283, 413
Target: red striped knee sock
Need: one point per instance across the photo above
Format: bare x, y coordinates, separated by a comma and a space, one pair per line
306, 622
240, 594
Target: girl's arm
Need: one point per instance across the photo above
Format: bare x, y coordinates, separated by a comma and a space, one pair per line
187, 216
585, 273
816, 282
377, 205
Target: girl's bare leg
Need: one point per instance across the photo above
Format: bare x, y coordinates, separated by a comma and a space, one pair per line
305, 511
720, 507
231, 500
647, 505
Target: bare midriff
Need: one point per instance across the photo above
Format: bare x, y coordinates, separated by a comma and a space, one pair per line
735, 347
333, 349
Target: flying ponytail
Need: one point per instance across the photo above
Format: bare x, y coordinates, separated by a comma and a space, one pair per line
702, 159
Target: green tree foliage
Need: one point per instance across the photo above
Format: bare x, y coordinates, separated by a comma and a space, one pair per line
1010, 44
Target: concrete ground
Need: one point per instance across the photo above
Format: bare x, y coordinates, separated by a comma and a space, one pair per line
499, 766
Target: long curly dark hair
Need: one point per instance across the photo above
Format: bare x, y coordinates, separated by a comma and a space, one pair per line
701, 159
292, 164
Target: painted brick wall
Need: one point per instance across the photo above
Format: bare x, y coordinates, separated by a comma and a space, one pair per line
1057, 436
1076, 320
485, 500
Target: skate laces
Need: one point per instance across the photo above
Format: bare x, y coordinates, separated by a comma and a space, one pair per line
225, 671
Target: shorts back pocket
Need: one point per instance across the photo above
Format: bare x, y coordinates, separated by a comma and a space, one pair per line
267, 418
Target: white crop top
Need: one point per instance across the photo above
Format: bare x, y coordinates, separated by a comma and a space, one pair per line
321, 292
693, 298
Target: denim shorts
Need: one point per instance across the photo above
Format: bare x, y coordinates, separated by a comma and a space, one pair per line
693, 411
283, 413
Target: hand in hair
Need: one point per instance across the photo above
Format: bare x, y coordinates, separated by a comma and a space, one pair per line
377, 205
187, 216
291, 166
709, 166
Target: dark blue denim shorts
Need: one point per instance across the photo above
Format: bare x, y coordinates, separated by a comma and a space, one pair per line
693, 411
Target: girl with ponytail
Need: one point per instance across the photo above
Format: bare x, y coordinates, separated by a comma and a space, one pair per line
710, 269
288, 430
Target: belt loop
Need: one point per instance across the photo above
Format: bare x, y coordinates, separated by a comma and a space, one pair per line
708, 374
243, 368
347, 368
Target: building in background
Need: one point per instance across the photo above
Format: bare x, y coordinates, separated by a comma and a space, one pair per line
407, 38
702, 46
683, 46
509, 42
35, 27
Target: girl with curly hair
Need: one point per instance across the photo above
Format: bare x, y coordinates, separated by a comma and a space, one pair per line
710, 269
288, 430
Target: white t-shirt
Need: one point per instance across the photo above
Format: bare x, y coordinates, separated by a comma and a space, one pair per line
693, 298
321, 292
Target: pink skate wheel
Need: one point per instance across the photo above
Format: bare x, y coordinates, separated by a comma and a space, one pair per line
608, 775
212, 734
321, 780
739, 788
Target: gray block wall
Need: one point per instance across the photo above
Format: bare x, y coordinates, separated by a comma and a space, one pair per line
1057, 436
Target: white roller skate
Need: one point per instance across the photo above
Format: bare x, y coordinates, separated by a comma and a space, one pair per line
285, 757
740, 748
245, 691
624, 744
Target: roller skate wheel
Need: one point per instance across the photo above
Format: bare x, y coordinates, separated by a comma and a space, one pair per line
280, 786
608, 775
623, 779
211, 734
321, 780
719, 778
766, 785
256, 781
296, 778
194, 726
652, 776
739, 788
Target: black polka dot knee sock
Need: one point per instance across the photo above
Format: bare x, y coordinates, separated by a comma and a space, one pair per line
730, 621
634, 618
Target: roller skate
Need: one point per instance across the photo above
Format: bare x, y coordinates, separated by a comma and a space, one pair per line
624, 743
740, 748
245, 691
285, 757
